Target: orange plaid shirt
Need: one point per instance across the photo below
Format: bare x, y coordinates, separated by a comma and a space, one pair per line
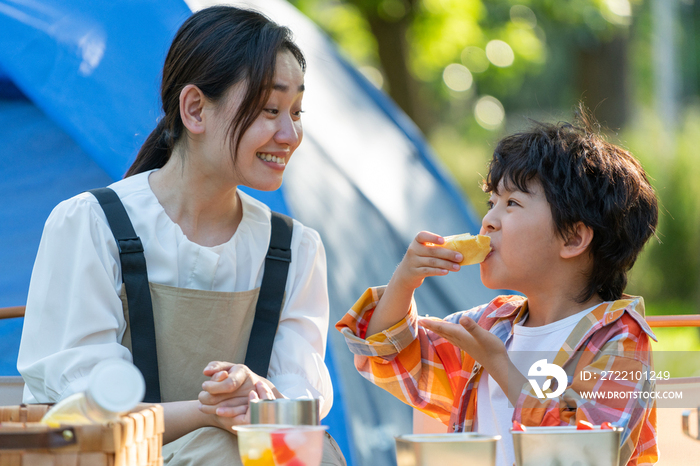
429, 373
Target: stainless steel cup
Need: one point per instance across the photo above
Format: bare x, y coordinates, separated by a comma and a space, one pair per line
446, 449
297, 412
567, 446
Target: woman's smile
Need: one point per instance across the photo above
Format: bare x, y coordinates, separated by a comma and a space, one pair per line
271, 160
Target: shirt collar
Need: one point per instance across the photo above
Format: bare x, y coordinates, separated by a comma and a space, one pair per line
611, 311
602, 315
509, 309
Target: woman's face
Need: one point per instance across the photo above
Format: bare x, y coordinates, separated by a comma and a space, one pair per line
267, 145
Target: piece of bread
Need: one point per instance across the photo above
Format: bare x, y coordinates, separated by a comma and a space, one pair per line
473, 248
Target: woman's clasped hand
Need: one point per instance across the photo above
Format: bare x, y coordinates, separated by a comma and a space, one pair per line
229, 391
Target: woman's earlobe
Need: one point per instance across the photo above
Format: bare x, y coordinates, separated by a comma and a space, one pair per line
191, 107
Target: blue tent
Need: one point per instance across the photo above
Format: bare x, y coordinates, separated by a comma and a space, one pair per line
364, 177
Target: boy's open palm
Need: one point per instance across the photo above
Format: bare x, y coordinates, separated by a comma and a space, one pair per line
486, 348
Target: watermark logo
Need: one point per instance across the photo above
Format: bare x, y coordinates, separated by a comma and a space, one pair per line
542, 368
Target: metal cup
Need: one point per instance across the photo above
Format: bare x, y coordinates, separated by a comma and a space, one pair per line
297, 412
567, 446
446, 449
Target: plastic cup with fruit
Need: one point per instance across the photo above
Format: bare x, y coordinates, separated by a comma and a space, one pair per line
280, 445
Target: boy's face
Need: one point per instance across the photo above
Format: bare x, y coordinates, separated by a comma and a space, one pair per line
525, 244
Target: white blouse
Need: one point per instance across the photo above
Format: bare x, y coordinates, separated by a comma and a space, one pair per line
74, 316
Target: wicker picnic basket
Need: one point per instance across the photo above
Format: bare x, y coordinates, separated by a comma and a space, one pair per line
135, 440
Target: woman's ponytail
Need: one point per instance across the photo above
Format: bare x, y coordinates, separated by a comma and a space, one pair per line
155, 152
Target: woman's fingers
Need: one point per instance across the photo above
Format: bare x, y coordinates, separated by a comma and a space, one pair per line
219, 376
208, 398
232, 411
217, 366
209, 403
263, 391
229, 382
238, 404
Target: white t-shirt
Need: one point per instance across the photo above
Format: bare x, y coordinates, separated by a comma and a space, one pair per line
526, 346
74, 316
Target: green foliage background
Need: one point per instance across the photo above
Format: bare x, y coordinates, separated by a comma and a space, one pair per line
548, 38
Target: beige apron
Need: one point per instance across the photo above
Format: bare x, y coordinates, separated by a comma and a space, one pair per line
194, 327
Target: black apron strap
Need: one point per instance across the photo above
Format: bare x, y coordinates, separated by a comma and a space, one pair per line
138, 293
269, 307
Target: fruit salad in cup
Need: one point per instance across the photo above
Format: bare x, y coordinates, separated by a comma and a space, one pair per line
280, 445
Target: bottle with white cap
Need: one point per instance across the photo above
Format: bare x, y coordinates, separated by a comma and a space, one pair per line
115, 386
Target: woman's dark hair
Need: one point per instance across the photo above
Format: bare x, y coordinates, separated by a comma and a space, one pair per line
214, 49
585, 179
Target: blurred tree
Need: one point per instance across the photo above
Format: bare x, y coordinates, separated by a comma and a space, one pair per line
431, 54
390, 21
457, 67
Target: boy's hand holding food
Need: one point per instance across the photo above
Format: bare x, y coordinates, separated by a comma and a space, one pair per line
474, 249
428, 255
424, 259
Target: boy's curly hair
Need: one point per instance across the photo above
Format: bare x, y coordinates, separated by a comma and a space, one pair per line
585, 179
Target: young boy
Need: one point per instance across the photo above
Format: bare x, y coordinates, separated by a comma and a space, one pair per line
568, 215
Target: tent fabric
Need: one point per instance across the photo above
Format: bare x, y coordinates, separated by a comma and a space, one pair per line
363, 177
40, 165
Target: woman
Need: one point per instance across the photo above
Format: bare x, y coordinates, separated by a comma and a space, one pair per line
232, 89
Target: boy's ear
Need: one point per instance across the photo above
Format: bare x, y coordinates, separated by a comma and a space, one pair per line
191, 105
577, 242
